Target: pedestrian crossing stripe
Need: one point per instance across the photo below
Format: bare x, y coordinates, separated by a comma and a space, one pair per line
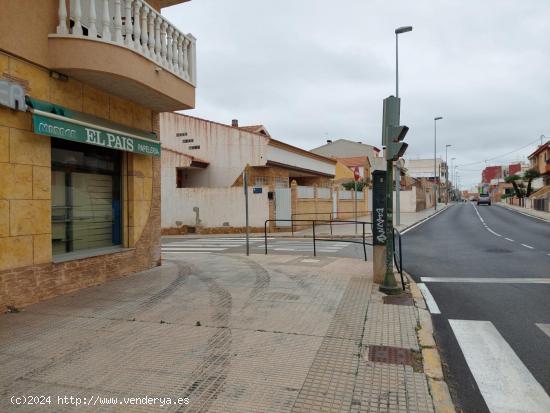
503, 380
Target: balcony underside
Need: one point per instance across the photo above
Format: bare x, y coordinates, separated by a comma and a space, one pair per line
120, 71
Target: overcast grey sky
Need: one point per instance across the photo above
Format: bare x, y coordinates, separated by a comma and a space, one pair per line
315, 69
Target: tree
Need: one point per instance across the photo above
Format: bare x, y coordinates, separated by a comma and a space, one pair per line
360, 184
515, 181
529, 176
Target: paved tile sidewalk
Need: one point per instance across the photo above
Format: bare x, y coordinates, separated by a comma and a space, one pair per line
233, 334
528, 211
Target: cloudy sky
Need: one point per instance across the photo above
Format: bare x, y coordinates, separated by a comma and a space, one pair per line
316, 69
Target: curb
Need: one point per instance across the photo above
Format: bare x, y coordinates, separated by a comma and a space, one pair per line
430, 355
508, 207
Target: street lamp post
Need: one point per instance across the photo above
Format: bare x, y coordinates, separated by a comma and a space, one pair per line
398, 31
435, 160
452, 177
446, 175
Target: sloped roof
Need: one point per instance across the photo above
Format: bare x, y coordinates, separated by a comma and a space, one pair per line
353, 161
256, 129
539, 150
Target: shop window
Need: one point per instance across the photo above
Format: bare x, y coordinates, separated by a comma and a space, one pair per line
86, 197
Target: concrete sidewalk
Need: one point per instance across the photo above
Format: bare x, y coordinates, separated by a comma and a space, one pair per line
230, 333
528, 211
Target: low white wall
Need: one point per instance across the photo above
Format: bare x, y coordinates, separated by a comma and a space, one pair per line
407, 200
216, 207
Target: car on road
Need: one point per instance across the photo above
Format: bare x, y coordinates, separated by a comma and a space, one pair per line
484, 199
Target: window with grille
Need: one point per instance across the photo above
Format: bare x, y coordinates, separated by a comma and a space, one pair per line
281, 182
261, 181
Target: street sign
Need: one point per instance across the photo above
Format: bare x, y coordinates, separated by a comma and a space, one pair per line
379, 207
356, 175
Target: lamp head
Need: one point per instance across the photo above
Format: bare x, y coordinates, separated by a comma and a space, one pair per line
438, 118
403, 29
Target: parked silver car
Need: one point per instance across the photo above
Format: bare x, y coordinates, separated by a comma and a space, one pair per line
484, 199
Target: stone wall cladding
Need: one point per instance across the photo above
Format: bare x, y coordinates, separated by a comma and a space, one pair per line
27, 274
22, 286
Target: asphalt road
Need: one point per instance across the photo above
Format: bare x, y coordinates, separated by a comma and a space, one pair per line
493, 330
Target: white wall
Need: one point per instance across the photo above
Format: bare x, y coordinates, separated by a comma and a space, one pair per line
227, 149
407, 200
216, 206
287, 157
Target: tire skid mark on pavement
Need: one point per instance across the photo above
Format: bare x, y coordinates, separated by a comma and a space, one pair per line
208, 379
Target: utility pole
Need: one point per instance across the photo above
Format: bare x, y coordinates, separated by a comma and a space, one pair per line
446, 175
435, 161
245, 186
398, 31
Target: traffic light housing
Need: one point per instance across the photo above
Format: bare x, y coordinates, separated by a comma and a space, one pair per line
393, 133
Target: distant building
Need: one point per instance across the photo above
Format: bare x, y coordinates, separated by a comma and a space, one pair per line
345, 148
362, 163
540, 160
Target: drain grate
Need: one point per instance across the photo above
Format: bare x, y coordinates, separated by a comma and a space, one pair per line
403, 299
391, 355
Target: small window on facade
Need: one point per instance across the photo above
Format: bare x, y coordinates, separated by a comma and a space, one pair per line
195, 147
261, 181
281, 182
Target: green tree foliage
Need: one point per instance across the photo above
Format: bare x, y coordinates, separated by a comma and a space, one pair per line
528, 176
349, 185
518, 182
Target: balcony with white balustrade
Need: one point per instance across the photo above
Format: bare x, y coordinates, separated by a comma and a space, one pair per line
127, 48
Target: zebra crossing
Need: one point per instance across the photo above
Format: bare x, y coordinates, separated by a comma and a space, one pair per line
209, 245
504, 381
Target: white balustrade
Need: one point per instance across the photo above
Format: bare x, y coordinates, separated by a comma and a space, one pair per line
106, 29
133, 24
137, 27
118, 22
76, 16
92, 27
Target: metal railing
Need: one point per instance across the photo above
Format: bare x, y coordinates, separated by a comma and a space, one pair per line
318, 222
332, 217
398, 255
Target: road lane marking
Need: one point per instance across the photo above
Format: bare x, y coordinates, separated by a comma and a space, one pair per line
503, 380
487, 280
509, 239
545, 328
493, 232
528, 246
423, 221
428, 297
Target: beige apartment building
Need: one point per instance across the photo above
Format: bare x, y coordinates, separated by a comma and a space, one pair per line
82, 84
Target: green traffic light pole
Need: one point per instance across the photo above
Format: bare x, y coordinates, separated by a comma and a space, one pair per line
390, 284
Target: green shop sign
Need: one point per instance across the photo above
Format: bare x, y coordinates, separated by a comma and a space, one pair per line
81, 132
